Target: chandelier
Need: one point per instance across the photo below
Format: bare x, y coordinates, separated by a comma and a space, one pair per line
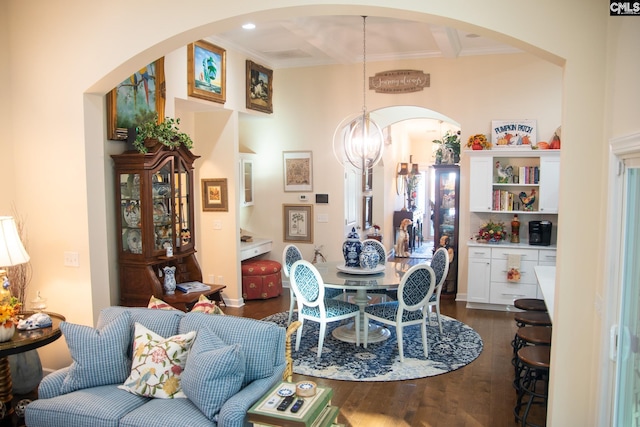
358, 140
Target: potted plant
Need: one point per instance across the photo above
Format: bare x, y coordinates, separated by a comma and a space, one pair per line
167, 133
449, 151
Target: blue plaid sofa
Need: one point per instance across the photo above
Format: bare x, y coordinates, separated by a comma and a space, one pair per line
86, 393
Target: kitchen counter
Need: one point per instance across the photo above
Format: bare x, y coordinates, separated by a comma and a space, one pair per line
508, 244
546, 276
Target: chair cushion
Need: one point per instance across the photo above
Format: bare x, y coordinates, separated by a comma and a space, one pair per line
158, 363
99, 355
213, 373
389, 311
333, 307
166, 412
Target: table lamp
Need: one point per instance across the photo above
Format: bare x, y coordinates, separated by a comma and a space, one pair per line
12, 253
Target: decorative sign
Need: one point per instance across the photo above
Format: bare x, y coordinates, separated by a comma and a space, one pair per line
513, 133
399, 81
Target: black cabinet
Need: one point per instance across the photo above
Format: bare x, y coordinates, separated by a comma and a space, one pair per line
446, 219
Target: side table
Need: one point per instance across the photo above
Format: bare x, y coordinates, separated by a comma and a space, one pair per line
377, 237
22, 341
316, 410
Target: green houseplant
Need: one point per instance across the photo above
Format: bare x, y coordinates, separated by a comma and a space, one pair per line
166, 133
449, 148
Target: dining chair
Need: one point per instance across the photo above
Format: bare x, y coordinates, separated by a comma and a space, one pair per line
309, 289
290, 254
440, 265
415, 290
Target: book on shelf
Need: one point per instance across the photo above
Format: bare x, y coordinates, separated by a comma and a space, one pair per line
190, 287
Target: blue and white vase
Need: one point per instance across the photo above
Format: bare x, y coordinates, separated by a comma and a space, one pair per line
169, 280
351, 249
369, 257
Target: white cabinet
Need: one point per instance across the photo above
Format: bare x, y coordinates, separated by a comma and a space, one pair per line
502, 180
480, 189
479, 275
488, 287
246, 178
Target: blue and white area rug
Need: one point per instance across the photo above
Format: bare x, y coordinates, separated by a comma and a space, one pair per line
458, 346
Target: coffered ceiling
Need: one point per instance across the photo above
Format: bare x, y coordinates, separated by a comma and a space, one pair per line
325, 40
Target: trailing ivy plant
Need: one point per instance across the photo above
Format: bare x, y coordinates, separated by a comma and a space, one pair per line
166, 133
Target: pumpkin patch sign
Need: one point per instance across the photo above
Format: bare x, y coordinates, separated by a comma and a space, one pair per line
513, 133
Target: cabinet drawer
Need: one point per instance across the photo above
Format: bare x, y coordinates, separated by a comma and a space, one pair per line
506, 293
525, 254
479, 253
547, 257
499, 271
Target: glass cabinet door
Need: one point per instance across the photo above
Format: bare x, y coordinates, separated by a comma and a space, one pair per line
162, 207
131, 211
181, 201
247, 182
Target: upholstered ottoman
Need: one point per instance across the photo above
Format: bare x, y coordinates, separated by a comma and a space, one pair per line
261, 279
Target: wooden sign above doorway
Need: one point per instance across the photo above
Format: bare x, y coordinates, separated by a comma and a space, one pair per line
399, 81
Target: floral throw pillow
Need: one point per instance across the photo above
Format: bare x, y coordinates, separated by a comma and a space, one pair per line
158, 364
205, 305
157, 303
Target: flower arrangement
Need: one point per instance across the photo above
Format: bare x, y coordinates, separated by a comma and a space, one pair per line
492, 232
478, 142
9, 312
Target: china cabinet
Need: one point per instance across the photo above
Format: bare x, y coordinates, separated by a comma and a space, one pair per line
155, 224
446, 219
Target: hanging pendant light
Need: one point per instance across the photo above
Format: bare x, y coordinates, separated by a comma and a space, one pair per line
358, 140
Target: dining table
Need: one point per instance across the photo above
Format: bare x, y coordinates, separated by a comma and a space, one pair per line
364, 282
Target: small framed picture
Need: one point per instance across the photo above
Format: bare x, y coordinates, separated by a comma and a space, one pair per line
214, 195
298, 170
136, 100
298, 223
206, 71
259, 88
520, 134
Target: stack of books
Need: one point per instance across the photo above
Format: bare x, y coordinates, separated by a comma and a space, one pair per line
189, 287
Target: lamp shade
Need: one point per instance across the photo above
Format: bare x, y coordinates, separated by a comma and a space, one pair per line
11, 250
415, 169
404, 169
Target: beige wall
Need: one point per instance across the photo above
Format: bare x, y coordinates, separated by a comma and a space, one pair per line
86, 49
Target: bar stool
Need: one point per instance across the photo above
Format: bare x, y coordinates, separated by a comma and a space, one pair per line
532, 318
530, 304
527, 335
534, 383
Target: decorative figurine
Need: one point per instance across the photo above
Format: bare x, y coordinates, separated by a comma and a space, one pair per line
515, 229
351, 249
402, 244
169, 279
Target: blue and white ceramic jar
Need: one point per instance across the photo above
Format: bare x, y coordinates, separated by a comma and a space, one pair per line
351, 249
169, 280
369, 257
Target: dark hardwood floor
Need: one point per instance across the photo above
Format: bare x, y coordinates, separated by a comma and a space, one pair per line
479, 394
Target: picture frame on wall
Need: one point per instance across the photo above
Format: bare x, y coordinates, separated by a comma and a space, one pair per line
207, 71
297, 223
367, 212
513, 134
259, 88
367, 180
215, 195
297, 170
136, 100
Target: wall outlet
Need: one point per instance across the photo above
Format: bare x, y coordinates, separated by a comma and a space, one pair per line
217, 224
323, 217
71, 259
212, 279
220, 280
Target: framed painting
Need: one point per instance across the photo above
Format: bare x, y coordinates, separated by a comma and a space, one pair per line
214, 195
367, 179
136, 100
207, 71
298, 170
367, 212
298, 223
259, 88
